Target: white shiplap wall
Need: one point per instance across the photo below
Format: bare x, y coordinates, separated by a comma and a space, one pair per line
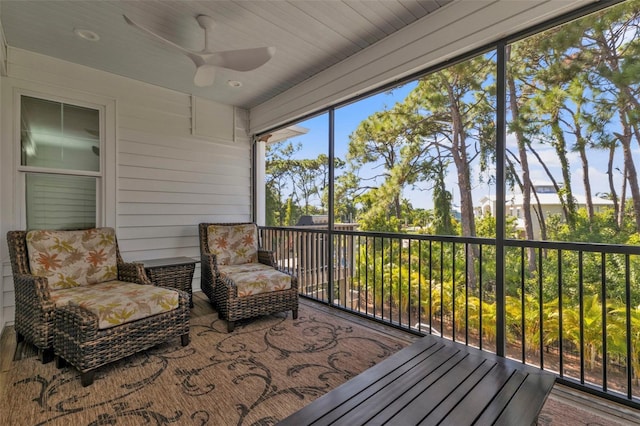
165, 179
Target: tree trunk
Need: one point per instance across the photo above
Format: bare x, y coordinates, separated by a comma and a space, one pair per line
397, 207
629, 166
585, 179
459, 153
632, 180
612, 188
566, 195
541, 221
524, 164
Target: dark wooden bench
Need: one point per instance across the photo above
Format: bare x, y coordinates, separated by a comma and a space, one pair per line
434, 381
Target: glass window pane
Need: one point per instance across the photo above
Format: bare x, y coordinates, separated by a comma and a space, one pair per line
572, 130
60, 202
60, 136
419, 155
297, 173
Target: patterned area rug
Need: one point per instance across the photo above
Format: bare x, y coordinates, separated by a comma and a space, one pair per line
264, 371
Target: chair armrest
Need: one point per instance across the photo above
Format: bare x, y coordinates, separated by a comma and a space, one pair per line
210, 261
133, 272
183, 300
76, 322
267, 257
33, 290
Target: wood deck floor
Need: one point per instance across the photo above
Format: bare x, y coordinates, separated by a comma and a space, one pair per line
611, 412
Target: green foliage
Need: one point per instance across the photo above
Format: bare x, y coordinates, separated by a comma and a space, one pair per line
394, 284
486, 226
292, 183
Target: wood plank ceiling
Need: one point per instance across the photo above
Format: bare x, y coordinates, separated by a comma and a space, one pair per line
309, 36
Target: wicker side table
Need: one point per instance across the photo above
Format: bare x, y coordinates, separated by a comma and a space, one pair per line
174, 272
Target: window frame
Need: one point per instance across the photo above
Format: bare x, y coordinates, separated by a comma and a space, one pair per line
105, 177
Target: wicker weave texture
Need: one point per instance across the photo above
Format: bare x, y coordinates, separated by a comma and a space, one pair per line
33, 309
78, 340
233, 308
223, 293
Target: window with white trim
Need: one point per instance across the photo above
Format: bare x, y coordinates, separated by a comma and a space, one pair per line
60, 158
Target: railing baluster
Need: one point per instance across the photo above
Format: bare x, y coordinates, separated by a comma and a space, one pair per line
627, 289
302, 275
560, 330
603, 283
392, 296
316, 262
522, 305
581, 307
409, 284
541, 307
337, 276
430, 285
480, 307
466, 293
349, 274
441, 286
366, 273
419, 286
382, 263
400, 282
453, 292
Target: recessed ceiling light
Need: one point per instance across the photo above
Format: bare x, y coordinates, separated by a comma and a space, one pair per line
86, 34
234, 83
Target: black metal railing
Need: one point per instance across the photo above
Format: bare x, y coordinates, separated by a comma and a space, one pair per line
553, 307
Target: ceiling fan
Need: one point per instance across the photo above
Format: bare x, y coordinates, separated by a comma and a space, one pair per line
207, 61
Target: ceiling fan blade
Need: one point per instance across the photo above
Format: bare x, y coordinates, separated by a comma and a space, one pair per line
205, 74
240, 60
188, 52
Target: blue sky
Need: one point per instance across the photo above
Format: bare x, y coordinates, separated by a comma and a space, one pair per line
348, 118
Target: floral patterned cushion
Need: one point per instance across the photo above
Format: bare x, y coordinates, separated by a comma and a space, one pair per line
255, 278
118, 302
233, 244
73, 258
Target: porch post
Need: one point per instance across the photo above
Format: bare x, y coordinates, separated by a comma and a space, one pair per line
501, 100
330, 204
259, 193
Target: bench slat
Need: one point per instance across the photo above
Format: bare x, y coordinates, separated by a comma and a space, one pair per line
379, 372
431, 411
377, 395
479, 406
420, 378
434, 381
412, 406
522, 405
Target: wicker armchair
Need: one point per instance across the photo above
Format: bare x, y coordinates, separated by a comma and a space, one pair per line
222, 275
48, 316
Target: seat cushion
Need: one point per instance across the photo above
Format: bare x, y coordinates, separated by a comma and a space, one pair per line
255, 278
233, 244
118, 302
73, 258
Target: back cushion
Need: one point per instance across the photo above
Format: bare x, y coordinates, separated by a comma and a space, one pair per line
233, 244
73, 258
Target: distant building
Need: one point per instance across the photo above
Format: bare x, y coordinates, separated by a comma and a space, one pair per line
549, 202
